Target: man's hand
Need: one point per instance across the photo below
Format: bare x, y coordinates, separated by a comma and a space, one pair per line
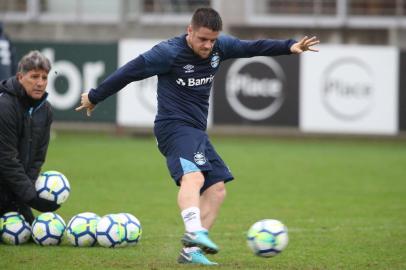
86, 104
305, 45
43, 205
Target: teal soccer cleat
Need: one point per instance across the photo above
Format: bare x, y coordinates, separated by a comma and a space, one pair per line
200, 239
194, 257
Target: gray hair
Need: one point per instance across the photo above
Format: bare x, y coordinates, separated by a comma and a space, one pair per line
33, 60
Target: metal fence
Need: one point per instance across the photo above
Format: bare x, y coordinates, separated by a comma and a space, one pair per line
328, 13
96, 11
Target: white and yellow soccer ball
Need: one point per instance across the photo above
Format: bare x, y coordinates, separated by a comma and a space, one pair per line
111, 231
14, 229
53, 186
267, 238
81, 229
48, 229
133, 230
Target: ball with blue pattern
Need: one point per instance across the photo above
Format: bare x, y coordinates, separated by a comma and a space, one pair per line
53, 186
81, 229
267, 238
133, 229
14, 229
111, 231
48, 229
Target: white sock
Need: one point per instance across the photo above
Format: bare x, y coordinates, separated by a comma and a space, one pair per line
191, 218
191, 249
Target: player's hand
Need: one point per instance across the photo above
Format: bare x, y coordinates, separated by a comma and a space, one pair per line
305, 44
86, 104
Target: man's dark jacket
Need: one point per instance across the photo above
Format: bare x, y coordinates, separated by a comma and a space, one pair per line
24, 136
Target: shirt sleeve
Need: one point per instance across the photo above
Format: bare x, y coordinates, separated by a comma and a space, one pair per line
232, 47
153, 62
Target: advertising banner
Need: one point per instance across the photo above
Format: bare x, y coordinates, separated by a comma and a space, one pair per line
349, 89
76, 68
137, 102
257, 91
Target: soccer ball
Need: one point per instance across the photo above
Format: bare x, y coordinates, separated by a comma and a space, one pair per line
53, 186
48, 229
81, 229
267, 238
133, 228
111, 231
14, 230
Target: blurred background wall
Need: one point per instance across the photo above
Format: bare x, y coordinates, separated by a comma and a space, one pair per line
88, 39
380, 22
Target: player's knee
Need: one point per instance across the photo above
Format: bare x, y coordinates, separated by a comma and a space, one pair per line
219, 192
223, 193
192, 179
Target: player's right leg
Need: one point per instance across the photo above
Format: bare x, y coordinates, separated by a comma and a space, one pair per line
194, 255
188, 200
184, 150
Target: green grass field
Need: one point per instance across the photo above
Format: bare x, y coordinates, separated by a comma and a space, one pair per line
344, 202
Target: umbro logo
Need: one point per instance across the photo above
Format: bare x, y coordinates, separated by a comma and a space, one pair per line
189, 68
190, 216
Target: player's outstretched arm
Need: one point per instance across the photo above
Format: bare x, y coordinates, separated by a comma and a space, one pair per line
305, 44
86, 104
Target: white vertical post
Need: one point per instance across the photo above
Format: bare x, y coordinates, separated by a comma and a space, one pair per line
342, 11
32, 9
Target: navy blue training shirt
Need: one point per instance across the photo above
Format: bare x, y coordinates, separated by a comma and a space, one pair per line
185, 79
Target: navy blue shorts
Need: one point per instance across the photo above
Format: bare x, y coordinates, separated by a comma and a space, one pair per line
187, 150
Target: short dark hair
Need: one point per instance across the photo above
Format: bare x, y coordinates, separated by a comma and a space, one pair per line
208, 18
33, 60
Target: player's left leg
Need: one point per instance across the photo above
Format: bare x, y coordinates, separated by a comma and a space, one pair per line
213, 191
210, 203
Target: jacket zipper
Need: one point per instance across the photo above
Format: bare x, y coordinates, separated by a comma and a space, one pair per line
30, 111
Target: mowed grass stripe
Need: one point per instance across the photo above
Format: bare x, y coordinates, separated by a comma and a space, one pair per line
344, 202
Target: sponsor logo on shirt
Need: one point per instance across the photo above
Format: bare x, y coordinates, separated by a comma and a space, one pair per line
180, 82
195, 81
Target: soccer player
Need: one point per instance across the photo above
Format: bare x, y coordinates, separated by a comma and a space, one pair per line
186, 66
